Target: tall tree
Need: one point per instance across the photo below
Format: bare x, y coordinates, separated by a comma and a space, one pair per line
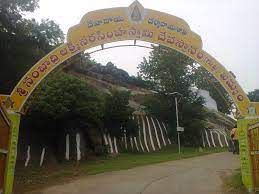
118, 114
170, 71
63, 99
23, 41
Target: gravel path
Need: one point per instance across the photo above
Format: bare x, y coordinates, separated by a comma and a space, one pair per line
199, 175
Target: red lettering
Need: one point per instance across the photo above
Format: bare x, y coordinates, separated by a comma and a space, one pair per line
224, 76
28, 81
100, 35
240, 97
109, 34
200, 55
72, 48
43, 66
54, 59
22, 92
162, 36
63, 52
83, 42
192, 50
132, 31
92, 38
35, 74
179, 43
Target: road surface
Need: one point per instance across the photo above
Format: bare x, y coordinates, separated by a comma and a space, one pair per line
199, 175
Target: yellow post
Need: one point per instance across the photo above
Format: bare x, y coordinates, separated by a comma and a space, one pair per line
4, 139
12, 152
245, 142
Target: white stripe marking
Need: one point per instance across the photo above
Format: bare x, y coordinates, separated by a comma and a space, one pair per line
42, 156
78, 151
110, 144
139, 135
28, 156
115, 145
144, 132
166, 133
161, 130
157, 138
135, 140
207, 137
67, 147
150, 135
212, 138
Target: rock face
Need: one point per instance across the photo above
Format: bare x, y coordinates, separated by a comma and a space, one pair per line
41, 147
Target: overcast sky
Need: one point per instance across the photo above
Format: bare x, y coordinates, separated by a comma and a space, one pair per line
229, 30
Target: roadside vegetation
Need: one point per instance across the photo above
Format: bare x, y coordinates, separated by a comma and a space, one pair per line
233, 184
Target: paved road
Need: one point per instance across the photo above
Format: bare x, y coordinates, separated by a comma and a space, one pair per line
200, 175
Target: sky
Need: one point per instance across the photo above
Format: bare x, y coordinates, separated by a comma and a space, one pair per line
229, 30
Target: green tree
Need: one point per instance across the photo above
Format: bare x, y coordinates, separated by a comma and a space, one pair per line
118, 114
22, 41
168, 69
171, 71
254, 95
192, 115
66, 100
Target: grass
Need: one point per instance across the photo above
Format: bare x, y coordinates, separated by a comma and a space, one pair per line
234, 184
35, 177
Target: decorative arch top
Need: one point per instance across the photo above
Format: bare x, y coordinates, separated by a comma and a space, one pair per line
130, 23
134, 18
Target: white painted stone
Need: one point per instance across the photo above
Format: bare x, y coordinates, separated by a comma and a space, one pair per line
42, 156
105, 139
226, 141
221, 131
144, 133
67, 147
220, 142
28, 156
207, 137
115, 145
169, 141
110, 144
161, 131
136, 143
125, 140
139, 135
157, 138
150, 135
212, 138
131, 143
78, 151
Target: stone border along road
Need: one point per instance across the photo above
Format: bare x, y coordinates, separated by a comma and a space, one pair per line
199, 175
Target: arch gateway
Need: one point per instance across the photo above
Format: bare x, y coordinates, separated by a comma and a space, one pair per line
135, 23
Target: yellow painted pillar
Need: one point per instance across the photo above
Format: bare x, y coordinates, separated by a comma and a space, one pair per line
245, 152
12, 153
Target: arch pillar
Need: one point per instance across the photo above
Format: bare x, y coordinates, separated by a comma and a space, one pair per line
12, 152
248, 156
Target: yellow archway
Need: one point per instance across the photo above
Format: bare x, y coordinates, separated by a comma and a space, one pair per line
130, 23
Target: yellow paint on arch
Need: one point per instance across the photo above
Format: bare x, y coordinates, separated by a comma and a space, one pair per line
129, 23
